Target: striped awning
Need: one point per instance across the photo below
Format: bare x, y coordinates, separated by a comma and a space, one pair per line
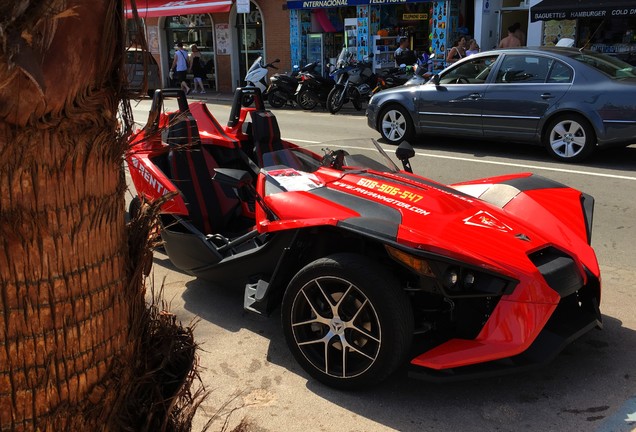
159, 8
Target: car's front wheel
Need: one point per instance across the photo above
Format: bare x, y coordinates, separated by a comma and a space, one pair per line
347, 321
569, 138
395, 124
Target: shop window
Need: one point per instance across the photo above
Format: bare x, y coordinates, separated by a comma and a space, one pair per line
194, 29
249, 31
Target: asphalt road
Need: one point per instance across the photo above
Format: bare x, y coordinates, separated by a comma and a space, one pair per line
591, 386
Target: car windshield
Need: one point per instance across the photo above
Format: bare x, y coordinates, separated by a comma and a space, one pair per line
344, 155
611, 66
256, 65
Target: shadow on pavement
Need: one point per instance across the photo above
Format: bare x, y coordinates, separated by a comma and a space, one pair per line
584, 385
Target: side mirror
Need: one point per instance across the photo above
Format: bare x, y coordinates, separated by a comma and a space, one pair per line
435, 79
404, 152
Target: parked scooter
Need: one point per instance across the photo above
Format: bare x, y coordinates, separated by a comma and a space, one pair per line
282, 87
313, 89
257, 77
354, 82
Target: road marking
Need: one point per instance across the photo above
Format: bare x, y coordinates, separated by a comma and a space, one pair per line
516, 165
623, 420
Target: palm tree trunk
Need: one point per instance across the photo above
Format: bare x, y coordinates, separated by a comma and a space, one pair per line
65, 284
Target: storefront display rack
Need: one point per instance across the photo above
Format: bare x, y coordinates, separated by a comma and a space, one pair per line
383, 52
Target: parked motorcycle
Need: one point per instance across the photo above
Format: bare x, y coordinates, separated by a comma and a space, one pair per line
257, 77
282, 87
354, 82
313, 89
423, 72
393, 77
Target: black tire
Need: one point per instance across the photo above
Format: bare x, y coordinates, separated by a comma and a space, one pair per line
357, 104
332, 100
276, 99
395, 124
134, 207
569, 138
347, 307
307, 100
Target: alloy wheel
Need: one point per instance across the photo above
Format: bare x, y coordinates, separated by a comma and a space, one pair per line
336, 327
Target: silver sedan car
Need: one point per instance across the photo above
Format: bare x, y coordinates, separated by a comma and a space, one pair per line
569, 100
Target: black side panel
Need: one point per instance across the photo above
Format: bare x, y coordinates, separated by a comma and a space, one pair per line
558, 270
258, 260
375, 219
189, 252
533, 182
587, 202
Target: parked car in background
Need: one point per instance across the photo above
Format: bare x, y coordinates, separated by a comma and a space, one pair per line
571, 101
141, 64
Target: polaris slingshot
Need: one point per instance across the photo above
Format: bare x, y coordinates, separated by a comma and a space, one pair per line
371, 265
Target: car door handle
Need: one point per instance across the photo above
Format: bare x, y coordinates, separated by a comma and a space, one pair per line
475, 96
546, 96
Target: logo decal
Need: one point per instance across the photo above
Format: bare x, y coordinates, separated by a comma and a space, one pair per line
484, 219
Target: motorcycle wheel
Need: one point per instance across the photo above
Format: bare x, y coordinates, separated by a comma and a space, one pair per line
276, 99
357, 103
335, 100
306, 100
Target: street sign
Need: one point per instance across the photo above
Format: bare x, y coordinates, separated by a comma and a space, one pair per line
243, 6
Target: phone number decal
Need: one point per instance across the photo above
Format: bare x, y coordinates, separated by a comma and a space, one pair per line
389, 190
384, 194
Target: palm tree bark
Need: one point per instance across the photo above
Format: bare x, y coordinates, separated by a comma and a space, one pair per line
67, 292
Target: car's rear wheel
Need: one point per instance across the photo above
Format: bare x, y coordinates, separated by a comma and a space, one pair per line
347, 321
396, 125
569, 138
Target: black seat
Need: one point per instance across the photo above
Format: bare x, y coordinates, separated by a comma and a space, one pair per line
209, 207
265, 134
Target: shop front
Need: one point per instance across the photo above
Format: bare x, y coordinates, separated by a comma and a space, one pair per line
227, 39
603, 26
320, 28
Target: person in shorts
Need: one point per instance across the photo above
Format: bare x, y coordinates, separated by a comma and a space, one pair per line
180, 67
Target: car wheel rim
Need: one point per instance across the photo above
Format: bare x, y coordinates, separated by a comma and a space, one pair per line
394, 125
336, 327
567, 139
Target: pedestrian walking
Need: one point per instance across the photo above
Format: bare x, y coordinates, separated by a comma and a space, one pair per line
180, 67
198, 69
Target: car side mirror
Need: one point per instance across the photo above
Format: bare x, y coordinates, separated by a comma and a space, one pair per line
435, 79
404, 152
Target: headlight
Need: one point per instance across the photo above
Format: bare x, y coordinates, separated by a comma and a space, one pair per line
455, 279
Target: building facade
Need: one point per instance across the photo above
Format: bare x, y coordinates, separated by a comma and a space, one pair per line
229, 40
